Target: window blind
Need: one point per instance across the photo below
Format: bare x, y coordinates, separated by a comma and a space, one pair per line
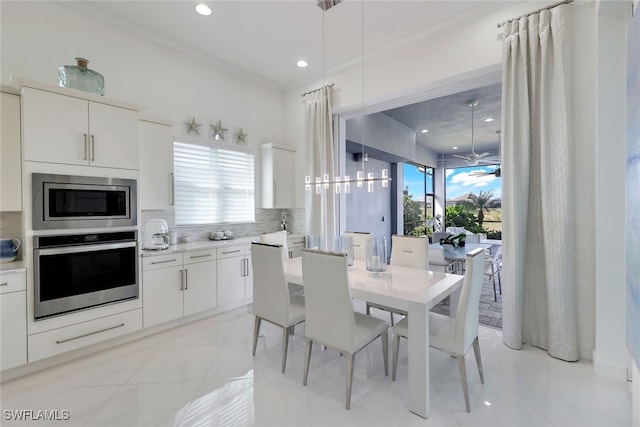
213, 184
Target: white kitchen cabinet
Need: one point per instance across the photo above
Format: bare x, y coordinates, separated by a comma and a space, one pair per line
178, 285
162, 284
295, 244
156, 166
13, 319
278, 176
234, 274
10, 157
72, 130
200, 292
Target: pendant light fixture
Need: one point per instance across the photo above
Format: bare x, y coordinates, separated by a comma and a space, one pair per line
343, 185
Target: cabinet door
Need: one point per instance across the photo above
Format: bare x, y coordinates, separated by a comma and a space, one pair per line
283, 178
162, 295
55, 128
156, 166
200, 292
11, 159
230, 280
13, 338
248, 278
114, 140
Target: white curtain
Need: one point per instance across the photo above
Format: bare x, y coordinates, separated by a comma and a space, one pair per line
539, 298
320, 208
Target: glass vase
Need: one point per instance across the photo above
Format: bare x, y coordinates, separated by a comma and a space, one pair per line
376, 249
80, 77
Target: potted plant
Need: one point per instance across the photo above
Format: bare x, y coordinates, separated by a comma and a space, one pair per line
456, 241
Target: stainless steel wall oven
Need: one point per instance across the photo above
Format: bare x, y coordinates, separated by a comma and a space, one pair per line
80, 271
67, 202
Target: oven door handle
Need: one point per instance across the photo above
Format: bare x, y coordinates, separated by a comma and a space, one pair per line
84, 248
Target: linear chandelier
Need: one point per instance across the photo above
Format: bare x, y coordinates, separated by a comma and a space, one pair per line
343, 185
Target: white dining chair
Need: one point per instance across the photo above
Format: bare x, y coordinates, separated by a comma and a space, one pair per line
437, 261
271, 298
454, 335
406, 251
280, 238
359, 244
472, 238
331, 320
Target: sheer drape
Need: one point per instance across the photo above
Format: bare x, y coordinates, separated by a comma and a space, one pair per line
320, 208
539, 299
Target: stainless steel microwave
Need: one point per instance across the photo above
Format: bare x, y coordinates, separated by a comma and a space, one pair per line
71, 202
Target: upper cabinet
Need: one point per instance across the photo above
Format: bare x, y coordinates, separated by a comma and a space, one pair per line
278, 176
58, 128
156, 166
10, 161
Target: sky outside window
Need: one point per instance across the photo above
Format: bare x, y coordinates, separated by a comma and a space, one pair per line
459, 181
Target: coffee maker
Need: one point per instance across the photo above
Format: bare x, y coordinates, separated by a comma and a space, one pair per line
156, 234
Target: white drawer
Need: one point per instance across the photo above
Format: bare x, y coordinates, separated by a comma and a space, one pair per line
199, 256
12, 281
161, 261
69, 338
230, 252
296, 242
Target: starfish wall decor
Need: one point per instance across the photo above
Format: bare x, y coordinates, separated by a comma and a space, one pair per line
241, 137
218, 131
192, 126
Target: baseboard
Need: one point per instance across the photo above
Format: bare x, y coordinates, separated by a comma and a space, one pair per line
607, 369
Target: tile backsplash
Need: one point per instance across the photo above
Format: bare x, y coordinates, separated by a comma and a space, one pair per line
266, 220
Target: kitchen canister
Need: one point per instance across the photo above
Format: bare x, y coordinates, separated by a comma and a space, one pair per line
9, 249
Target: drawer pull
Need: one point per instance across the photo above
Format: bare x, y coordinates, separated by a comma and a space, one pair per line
231, 252
199, 256
4, 284
163, 262
89, 333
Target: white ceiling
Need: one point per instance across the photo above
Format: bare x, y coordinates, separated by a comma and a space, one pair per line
265, 39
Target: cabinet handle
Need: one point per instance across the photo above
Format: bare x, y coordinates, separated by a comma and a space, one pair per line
93, 148
173, 189
290, 254
89, 333
230, 252
163, 262
186, 279
182, 280
200, 256
86, 145
4, 284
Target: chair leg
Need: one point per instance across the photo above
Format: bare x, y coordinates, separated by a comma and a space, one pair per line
285, 346
499, 282
476, 351
350, 359
307, 359
256, 329
385, 351
463, 378
396, 348
368, 309
493, 279
391, 314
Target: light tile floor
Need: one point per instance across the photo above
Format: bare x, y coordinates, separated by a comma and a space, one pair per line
203, 374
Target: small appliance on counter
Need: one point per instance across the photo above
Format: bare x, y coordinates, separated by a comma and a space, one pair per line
222, 235
156, 235
9, 249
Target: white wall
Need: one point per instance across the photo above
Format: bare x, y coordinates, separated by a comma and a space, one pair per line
38, 37
451, 55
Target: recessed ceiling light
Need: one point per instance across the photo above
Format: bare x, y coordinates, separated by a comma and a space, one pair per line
488, 119
454, 148
203, 9
302, 63
424, 131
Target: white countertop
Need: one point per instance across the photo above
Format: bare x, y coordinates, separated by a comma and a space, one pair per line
200, 245
13, 265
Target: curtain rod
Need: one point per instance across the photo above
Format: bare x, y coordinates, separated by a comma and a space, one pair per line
536, 11
315, 90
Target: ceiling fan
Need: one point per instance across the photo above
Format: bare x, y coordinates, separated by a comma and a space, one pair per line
473, 158
498, 171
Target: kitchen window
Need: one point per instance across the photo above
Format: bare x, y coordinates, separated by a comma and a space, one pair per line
213, 184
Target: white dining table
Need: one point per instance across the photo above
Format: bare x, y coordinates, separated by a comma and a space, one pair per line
412, 290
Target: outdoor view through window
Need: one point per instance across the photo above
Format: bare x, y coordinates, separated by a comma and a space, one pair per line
473, 199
